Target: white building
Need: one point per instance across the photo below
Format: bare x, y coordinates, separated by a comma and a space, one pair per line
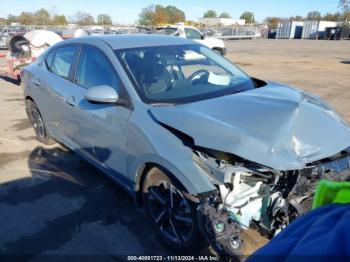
316, 29
324, 24
289, 29
221, 21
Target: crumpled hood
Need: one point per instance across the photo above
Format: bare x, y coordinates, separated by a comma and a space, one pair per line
276, 126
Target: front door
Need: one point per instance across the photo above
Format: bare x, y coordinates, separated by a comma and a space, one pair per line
99, 131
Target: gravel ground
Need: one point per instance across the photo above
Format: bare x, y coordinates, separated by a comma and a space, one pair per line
54, 203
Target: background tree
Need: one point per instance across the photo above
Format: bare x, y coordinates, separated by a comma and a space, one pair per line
224, 15
332, 17
104, 19
346, 17
160, 15
175, 15
210, 14
272, 21
42, 17
248, 17
147, 15
344, 6
26, 18
82, 18
88, 20
59, 20
314, 15
297, 18
12, 19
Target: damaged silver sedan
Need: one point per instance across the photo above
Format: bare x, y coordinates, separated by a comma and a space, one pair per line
206, 149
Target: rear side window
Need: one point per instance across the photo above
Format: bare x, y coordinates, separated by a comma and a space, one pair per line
49, 59
63, 60
94, 69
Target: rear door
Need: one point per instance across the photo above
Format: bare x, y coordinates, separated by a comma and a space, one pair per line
53, 80
97, 130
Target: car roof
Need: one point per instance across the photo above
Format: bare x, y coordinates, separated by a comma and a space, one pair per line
124, 41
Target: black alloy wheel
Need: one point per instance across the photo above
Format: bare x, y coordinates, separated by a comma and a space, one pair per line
172, 214
37, 122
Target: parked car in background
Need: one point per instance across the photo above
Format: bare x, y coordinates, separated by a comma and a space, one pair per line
114, 31
207, 150
8, 31
5, 34
97, 31
192, 33
3, 39
20, 30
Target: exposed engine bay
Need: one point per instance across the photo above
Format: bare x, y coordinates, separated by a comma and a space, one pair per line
251, 195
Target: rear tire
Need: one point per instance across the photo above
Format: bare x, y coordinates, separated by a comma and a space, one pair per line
174, 217
35, 118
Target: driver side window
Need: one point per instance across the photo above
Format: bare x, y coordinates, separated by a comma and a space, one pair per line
192, 34
94, 69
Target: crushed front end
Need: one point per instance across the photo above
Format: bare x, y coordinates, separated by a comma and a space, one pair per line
250, 195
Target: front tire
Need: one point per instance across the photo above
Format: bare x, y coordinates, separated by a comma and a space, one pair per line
173, 216
35, 118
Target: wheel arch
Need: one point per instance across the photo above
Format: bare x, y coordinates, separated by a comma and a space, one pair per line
28, 97
175, 175
141, 175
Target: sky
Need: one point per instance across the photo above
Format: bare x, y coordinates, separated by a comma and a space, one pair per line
127, 11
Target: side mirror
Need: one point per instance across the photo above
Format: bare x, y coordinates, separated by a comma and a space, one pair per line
202, 37
102, 95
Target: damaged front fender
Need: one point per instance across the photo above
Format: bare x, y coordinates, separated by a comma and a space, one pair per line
155, 145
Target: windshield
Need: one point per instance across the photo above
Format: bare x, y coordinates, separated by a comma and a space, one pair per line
182, 73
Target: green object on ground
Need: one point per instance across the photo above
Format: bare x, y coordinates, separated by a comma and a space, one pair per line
328, 192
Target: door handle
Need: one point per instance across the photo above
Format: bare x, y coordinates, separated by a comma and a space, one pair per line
71, 101
36, 81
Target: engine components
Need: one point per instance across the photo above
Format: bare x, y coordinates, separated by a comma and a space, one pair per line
221, 230
250, 194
